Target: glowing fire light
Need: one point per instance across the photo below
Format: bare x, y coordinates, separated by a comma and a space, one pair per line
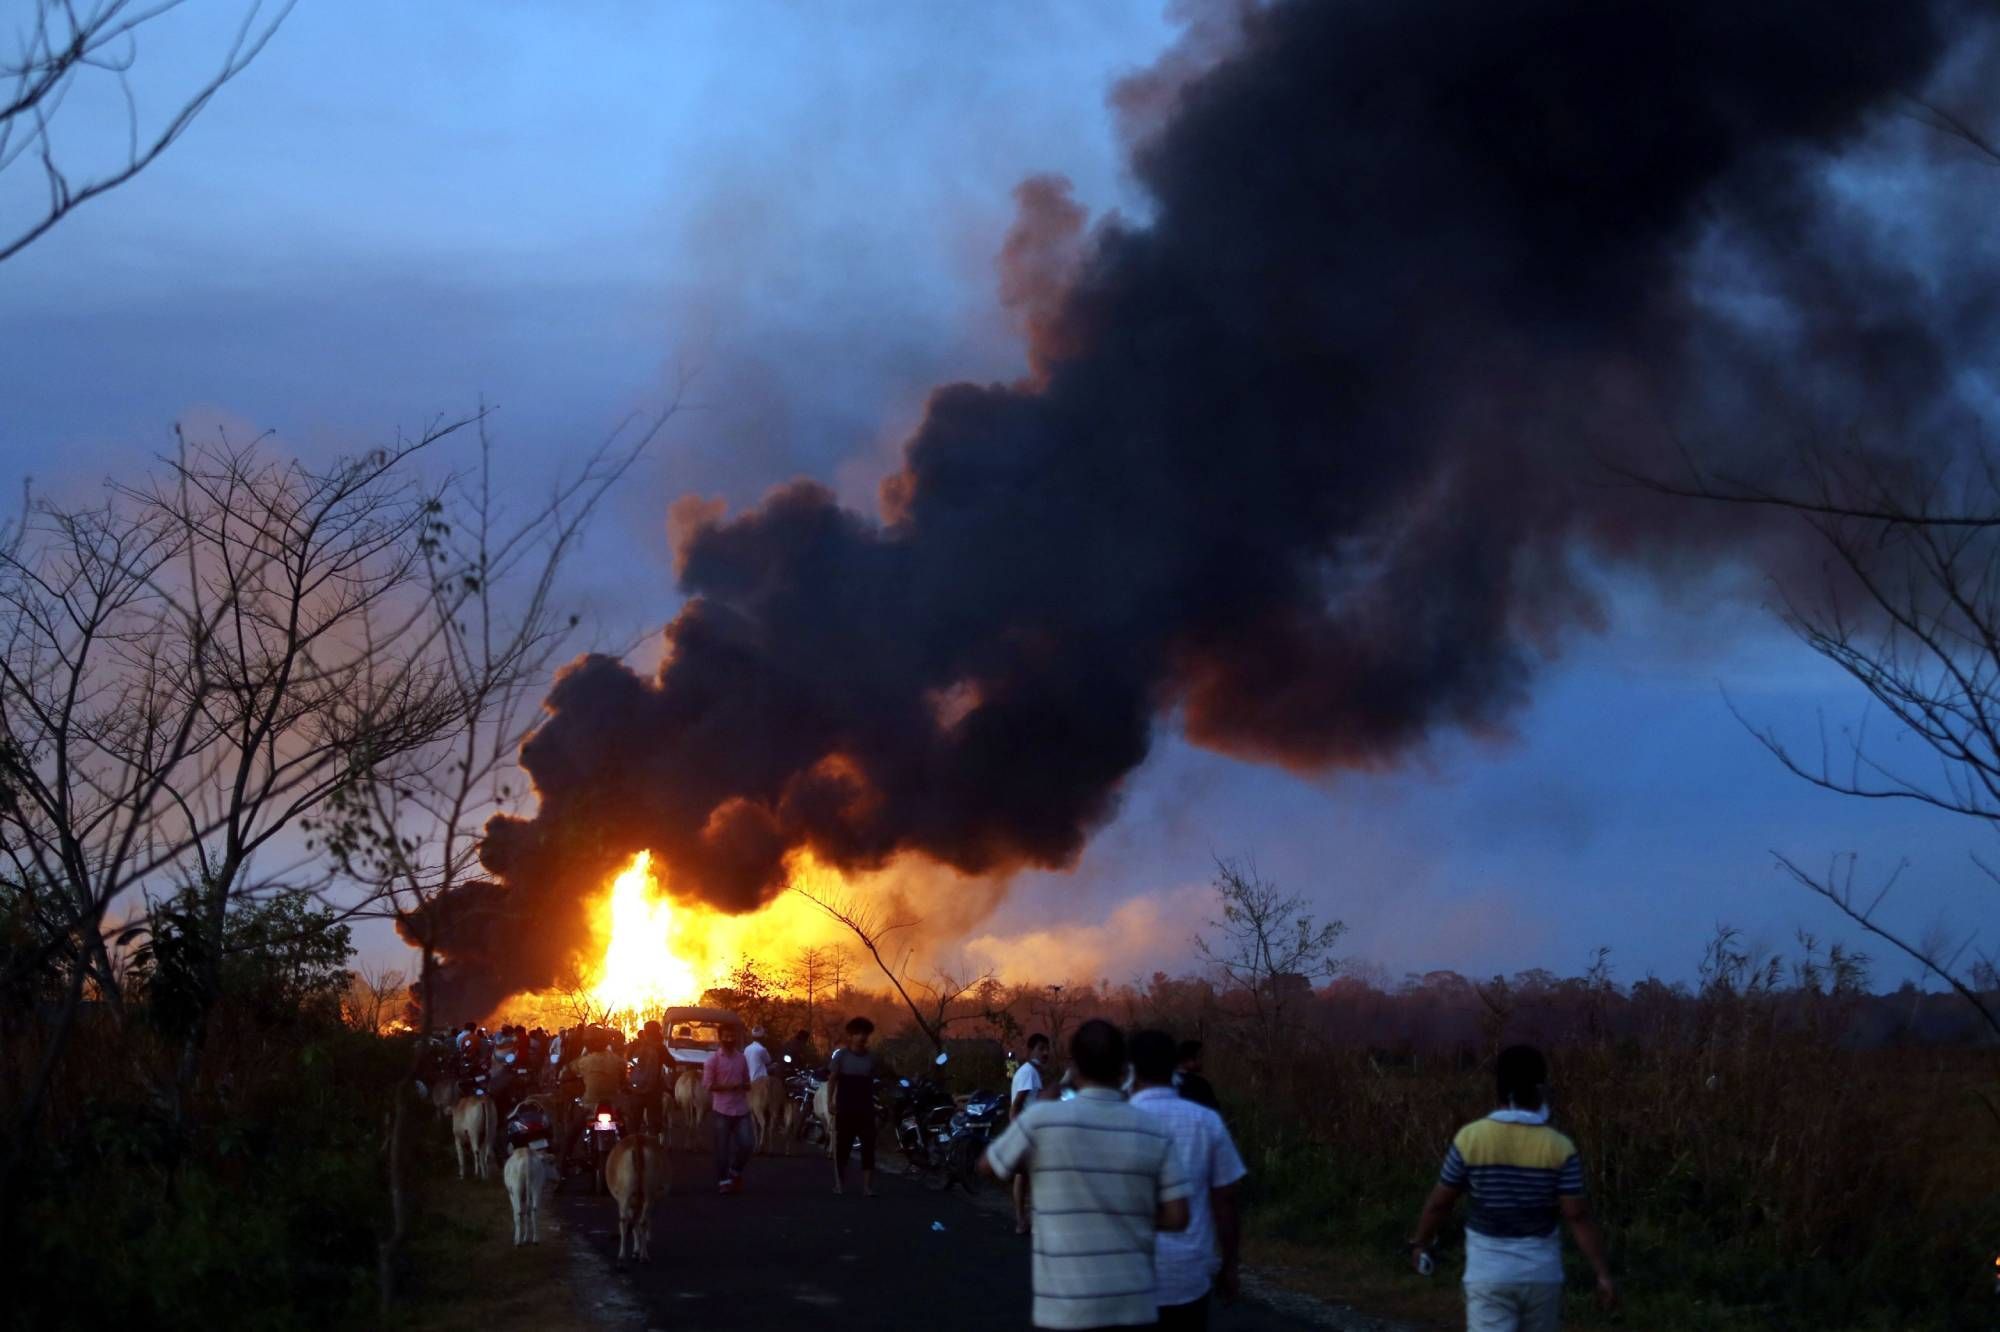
642, 972
648, 951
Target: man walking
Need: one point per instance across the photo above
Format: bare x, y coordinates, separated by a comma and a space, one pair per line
648, 1061
1027, 1089
726, 1079
1523, 1176
850, 1094
757, 1054
1193, 1262
1106, 1181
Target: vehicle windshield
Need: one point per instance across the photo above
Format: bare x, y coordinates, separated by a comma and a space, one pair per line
695, 1035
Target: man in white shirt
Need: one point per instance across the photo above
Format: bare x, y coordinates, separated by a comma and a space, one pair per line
1192, 1262
1027, 1089
758, 1054
1106, 1180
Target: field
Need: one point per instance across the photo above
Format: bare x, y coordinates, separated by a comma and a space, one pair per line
1773, 1184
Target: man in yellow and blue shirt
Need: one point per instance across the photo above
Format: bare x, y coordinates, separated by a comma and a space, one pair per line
1523, 1178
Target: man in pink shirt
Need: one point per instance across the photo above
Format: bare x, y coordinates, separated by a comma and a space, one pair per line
726, 1079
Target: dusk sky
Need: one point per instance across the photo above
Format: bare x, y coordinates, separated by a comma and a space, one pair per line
565, 210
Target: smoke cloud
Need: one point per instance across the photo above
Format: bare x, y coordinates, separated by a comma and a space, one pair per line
1313, 460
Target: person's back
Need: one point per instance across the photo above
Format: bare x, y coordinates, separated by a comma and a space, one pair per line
1193, 1262
1103, 1175
649, 1058
602, 1073
1515, 1172
1521, 1180
802, 1052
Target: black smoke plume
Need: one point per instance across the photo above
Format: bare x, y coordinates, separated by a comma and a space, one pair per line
1314, 459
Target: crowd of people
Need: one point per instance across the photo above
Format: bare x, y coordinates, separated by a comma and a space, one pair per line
1129, 1184
1122, 1170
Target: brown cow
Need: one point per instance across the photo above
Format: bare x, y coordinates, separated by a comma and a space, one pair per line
635, 1174
789, 1116
475, 1126
767, 1105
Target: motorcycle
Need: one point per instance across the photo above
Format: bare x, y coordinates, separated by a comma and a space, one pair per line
474, 1065
529, 1128
967, 1134
921, 1114
802, 1088
601, 1133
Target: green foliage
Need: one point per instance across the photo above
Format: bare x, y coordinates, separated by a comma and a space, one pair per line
752, 993
277, 1200
258, 1202
279, 959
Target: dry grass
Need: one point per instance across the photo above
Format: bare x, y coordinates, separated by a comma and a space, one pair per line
1752, 1171
466, 1275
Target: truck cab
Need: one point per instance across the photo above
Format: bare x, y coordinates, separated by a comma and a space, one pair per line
693, 1034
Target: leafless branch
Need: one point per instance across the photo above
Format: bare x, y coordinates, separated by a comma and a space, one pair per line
67, 43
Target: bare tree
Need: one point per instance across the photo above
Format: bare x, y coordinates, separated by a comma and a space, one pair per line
186, 670
68, 45
867, 925
1054, 1005
373, 1000
1910, 612
411, 836
1268, 948
945, 1000
817, 971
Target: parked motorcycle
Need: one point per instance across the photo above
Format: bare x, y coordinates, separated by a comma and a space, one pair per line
967, 1134
921, 1114
802, 1088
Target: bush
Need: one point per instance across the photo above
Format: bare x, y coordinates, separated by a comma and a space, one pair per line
211, 1150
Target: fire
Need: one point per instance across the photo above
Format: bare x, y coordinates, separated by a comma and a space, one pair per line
650, 951
642, 971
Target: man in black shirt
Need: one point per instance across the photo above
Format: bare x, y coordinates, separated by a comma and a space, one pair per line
851, 1096
1193, 1086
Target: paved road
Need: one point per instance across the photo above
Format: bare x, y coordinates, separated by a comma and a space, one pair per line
786, 1252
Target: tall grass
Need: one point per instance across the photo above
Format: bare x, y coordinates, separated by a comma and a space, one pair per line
1742, 1155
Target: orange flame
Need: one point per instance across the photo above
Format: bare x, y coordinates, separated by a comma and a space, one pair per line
643, 971
650, 952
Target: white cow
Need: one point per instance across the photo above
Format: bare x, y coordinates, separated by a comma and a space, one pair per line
526, 1173
475, 1125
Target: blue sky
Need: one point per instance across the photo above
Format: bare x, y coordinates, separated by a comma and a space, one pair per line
403, 208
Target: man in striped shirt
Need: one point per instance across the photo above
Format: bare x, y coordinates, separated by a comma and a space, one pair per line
1523, 1177
1105, 1179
